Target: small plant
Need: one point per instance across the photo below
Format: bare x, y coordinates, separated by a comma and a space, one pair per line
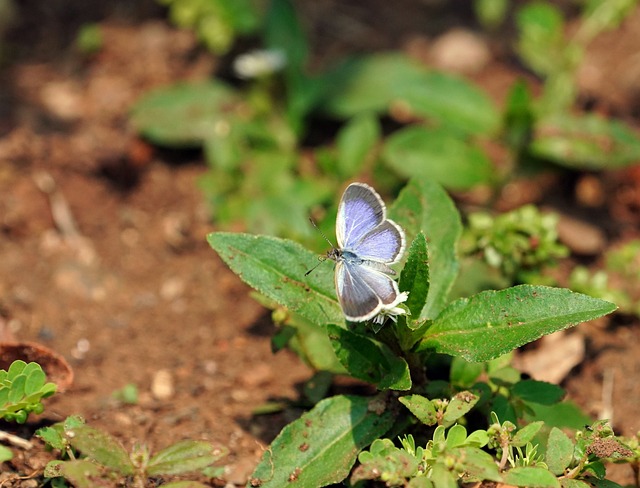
617, 280
444, 362
518, 243
104, 460
22, 388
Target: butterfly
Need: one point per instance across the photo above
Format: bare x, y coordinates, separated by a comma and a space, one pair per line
368, 243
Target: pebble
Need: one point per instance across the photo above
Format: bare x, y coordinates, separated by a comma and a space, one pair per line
581, 237
460, 51
172, 289
162, 387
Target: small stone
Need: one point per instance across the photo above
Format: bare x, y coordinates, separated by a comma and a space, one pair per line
256, 376
581, 237
162, 387
172, 289
460, 51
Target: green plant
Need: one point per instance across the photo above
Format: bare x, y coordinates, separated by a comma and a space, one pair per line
253, 135
410, 359
217, 22
104, 460
617, 279
519, 243
22, 388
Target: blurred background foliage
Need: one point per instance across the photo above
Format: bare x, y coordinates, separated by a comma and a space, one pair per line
390, 118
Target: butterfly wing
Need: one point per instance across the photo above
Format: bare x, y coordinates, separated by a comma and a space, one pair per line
385, 243
360, 211
363, 290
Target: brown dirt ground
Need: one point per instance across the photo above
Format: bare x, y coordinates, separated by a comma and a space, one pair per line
133, 294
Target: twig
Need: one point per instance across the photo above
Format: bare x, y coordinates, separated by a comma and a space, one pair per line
15, 440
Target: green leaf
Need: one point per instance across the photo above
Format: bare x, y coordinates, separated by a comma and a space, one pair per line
463, 373
183, 457
541, 43
460, 405
569, 483
282, 31
369, 360
80, 472
559, 451
379, 82
526, 434
439, 155
276, 267
6, 454
585, 142
320, 448
421, 407
562, 415
16, 368
35, 381
538, 392
531, 477
478, 464
17, 388
493, 323
414, 277
185, 114
423, 206
455, 103
354, 143
100, 447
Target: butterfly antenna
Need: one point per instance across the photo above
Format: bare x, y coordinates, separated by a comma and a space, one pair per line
321, 260
321, 233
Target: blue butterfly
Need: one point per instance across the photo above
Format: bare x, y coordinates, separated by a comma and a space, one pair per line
368, 243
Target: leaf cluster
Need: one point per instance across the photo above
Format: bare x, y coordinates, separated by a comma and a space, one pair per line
22, 388
95, 458
448, 130
518, 243
466, 338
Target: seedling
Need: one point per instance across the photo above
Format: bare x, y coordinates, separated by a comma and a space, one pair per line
93, 457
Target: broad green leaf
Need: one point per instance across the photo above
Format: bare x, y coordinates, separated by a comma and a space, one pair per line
569, 483
541, 43
17, 388
463, 373
100, 447
453, 103
460, 405
369, 360
414, 277
183, 457
276, 268
282, 31
185, 114
381, 82
439, 155
16, 368
492, 323
538, 392
562, 415
80, 472
526, 434
421, 407
478, 464
585, 142
311, 343
423, 206
354, 143
559, 451
531, 477
36, 379
320, 448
